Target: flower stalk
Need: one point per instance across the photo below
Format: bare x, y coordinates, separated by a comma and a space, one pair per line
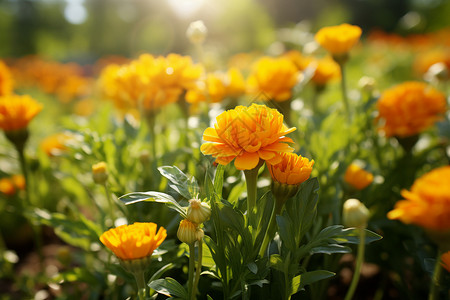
434, 290
359, 262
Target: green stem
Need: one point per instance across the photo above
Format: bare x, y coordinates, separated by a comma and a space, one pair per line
359, 262
24, 169
434, 290
251, 178
140, 281
272, 226
150, 118
191, 270
287, 282
344, 92
198, 269
110, 203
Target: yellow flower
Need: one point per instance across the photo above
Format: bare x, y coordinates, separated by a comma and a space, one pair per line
445, 258
410, 108
133, 241
273, 78
357, 177
7, 186
338, 40
428, 202
17, 111
6, 81
293, 169
247, 134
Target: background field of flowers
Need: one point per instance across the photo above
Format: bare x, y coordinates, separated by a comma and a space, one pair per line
101, 99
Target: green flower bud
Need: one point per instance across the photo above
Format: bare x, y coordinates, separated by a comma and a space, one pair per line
355, 214
198, 211
187, 232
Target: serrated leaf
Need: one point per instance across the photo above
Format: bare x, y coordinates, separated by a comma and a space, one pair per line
302, 280
185, 185
154, 197
169, 287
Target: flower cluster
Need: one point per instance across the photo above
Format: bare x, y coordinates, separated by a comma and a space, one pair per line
409, 108
427, 204
149, 83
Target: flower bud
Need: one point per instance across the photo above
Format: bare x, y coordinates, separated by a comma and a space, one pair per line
100, 173
187, 232
367, 84
198, 212
197, 32
355, 214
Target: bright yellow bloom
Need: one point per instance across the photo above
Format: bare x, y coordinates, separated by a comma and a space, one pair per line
273, 79
445, 258
410, 108
338, 40
428, 202
293, 169
247, 134
7, 186
6, 81
17, 111
133, 241
357, 177
55, 144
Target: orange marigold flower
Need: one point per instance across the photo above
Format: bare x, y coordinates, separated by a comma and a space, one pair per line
293, 169
445, 258
17, 111
7, 186
247, 134
338, 40
357, 177
133, 241
55, 144
273, 78
410, 108
326, 70
428, 202
19, 181
6, 81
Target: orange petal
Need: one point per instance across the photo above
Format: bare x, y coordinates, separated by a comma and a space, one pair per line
246, 161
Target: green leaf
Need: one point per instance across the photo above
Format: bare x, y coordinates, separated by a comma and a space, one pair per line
154, 197
218, 180
76, 275
161, 271
351, 236
302, 280
79, 233
185, 185
330, 249
253, 267
169, 287
276, 262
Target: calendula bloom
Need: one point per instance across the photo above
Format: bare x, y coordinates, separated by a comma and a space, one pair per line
7, 186
293, 169
273, 78
338, 40
410, 108
427, 204
326, 69
357, 177
19, 181
6, 81
247, 135
138, 240
17, 111
56, 144
445, 258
